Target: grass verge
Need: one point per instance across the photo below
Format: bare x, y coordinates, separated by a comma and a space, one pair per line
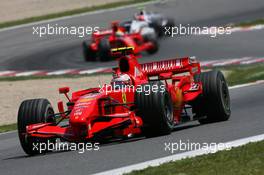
244, 74
70, 12
9, 127
243, 160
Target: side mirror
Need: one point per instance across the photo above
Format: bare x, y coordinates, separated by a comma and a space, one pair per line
64, 90
115, 26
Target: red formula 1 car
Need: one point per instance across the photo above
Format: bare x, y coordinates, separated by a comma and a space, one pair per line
103, 41
148, 99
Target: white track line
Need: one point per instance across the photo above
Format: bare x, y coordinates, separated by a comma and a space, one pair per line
8, 132
247, 84
237, 29
3, 73
157, 162
61, 72
231, 61
79, 15
249, 28
91, 71
28, 73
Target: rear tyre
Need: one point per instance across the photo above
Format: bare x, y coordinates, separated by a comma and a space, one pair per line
154, 41
88, 53
155, 108
104, 50
32, 112
157, 27
214, 104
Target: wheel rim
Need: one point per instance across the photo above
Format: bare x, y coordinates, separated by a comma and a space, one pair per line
225, 96
168, 110
49, 115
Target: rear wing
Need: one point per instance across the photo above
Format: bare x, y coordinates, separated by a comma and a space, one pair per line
173, 66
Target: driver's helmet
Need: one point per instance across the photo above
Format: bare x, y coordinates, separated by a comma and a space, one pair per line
140, 16
121, 80
120, 33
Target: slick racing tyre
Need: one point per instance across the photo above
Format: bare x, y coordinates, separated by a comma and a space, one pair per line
157, 26
214, 103
104, 50
88, 53
153, 40
31, 112
154, 105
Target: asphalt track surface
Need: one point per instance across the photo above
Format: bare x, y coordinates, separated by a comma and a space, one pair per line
21, 50
246, 120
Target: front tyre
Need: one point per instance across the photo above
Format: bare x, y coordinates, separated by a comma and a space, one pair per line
32, 112
88, 53
104, 50
155, 45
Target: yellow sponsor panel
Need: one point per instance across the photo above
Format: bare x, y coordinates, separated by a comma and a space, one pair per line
86, 99
122, 49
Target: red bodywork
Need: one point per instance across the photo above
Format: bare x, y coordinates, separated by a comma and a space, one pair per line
118, 37
102, 113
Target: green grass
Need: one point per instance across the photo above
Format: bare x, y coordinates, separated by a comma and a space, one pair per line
244, 160
249, 23
9, 127
244, 74
70, 12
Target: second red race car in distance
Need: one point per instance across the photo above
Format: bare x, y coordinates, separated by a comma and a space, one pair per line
101, 43
148, 99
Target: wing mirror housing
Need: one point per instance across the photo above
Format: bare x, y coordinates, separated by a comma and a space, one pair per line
65, 91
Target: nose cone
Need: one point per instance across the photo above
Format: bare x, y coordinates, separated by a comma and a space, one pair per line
84, 108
